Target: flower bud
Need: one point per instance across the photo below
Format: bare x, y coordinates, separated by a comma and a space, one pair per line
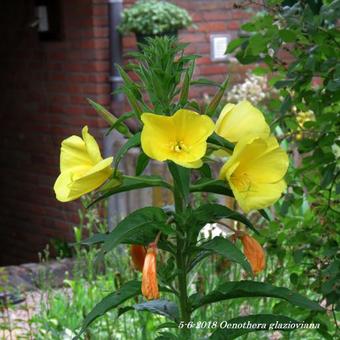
149, 277
254, 253
138, 253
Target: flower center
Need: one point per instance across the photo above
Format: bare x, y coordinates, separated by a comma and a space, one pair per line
241, 181
179, 146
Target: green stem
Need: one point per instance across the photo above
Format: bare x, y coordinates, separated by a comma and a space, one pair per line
185, 313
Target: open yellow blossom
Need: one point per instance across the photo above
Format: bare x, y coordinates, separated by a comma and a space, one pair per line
255, 172
181, 138
82, 169
238, 121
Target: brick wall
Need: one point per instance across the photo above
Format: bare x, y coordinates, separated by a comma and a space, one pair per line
43, 89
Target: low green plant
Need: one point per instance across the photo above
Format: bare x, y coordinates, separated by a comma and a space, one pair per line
152, 17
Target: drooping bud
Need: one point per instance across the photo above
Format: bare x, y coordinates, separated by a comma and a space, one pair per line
149, 278
254, 253
138, 253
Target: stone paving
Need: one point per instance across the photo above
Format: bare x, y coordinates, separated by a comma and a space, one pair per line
23, 284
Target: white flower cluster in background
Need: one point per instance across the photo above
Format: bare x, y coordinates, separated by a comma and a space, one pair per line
254, 88
211, 230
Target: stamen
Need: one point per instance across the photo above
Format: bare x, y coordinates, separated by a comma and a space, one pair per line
179, 146
242, 182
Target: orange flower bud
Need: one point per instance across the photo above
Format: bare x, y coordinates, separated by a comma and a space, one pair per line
149, 277
254, 253
138, 253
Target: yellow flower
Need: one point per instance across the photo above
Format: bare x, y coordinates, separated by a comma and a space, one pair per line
237, 121
149, 276
181, 138
255, 172
82, 169
254, 253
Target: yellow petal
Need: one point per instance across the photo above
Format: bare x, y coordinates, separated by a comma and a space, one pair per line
69, 186
238, 121
259, 195
191, 165
191, 127
61, 186
157, 135
74, 156
270, 167
91, 146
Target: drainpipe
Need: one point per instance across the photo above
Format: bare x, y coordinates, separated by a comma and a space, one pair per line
117, 100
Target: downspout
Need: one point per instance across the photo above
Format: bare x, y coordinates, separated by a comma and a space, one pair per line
117, 100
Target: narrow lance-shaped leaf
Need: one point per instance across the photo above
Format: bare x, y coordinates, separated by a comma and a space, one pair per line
131, 143
236, 327
215, 186
119, 122
227, 249
141, 219
220, 141
210, 213
129, 83
181, 178
133, 103
186, 84
110, 119
241, 289
127, 291
212, 107
132, 183
142, 163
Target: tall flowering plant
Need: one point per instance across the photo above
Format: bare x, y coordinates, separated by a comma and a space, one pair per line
176, 130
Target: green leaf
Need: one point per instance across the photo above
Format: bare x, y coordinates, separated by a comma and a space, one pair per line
181, 178
227, 249
264, 214
260, 71
257, 44
127, 291
183, 99
220, 141
94, 239
142, 163
287, 35
234, 44
270, 322
211, 109
205, 171
205, 82
167, 325
132, 183
248, 27
215, 186
241, 289
119, 122
161, 307
210, 213
131, 143
110, 118
139, 220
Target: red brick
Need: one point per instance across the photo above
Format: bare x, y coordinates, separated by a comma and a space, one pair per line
213, 26
233, 25
213, 69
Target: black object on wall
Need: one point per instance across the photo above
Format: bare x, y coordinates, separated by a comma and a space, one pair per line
49, 19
